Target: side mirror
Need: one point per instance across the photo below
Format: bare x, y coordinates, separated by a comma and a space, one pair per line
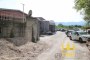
77, 34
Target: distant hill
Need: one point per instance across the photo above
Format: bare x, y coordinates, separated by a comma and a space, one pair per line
71, 23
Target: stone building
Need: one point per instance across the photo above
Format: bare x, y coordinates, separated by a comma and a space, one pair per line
52, 26
40, 20
11, 23
43, 25
18, 27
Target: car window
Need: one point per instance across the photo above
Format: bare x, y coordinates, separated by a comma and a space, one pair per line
74, 33
88, 31
82, 33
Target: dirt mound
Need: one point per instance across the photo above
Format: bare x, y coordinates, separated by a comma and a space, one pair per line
29, 51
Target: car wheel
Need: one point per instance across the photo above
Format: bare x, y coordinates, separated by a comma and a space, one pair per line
80, 39
70, 38
87, 43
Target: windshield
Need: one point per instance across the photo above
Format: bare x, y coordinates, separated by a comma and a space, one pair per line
82, 33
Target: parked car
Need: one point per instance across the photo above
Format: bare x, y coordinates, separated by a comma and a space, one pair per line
59, 30
88, 41
68, 32
62, 30
79, 35
49, 33
88, 31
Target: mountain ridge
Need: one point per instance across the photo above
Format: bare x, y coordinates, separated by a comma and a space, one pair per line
71, 23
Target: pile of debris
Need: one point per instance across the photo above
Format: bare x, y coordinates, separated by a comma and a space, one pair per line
8, 51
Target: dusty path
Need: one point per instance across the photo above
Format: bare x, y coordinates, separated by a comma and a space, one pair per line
55, 42
80, 51
55, 52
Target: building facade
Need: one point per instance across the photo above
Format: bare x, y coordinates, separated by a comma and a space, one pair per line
52, 26
18, 27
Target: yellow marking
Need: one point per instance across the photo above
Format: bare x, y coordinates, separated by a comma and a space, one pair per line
68, 50
68, 46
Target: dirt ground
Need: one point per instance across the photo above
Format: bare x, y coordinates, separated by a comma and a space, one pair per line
48, 48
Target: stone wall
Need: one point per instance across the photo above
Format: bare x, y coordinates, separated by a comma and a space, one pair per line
32, 29
13, 32
21, 33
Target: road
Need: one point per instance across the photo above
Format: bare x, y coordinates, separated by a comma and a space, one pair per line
59, 48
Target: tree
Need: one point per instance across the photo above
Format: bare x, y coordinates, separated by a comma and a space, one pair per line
87, 24
60, 25
84, 7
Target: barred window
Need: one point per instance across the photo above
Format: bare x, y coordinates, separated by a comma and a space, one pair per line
0, 30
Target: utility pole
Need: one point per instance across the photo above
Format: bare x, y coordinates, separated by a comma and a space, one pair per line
23, 21
23, 13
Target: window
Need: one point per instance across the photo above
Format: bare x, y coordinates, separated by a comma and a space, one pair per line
5, 18
0, 30
88, 31
0, 17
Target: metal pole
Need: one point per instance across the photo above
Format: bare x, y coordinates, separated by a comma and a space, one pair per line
23, 12
23, 21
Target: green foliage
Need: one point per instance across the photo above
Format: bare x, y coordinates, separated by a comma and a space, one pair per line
80, 4
68, 27
60, 25
84, 7
87, 24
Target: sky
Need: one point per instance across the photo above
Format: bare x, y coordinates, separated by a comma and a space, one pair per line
57, 10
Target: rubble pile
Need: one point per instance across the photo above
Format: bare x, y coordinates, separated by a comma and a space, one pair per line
8, 51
